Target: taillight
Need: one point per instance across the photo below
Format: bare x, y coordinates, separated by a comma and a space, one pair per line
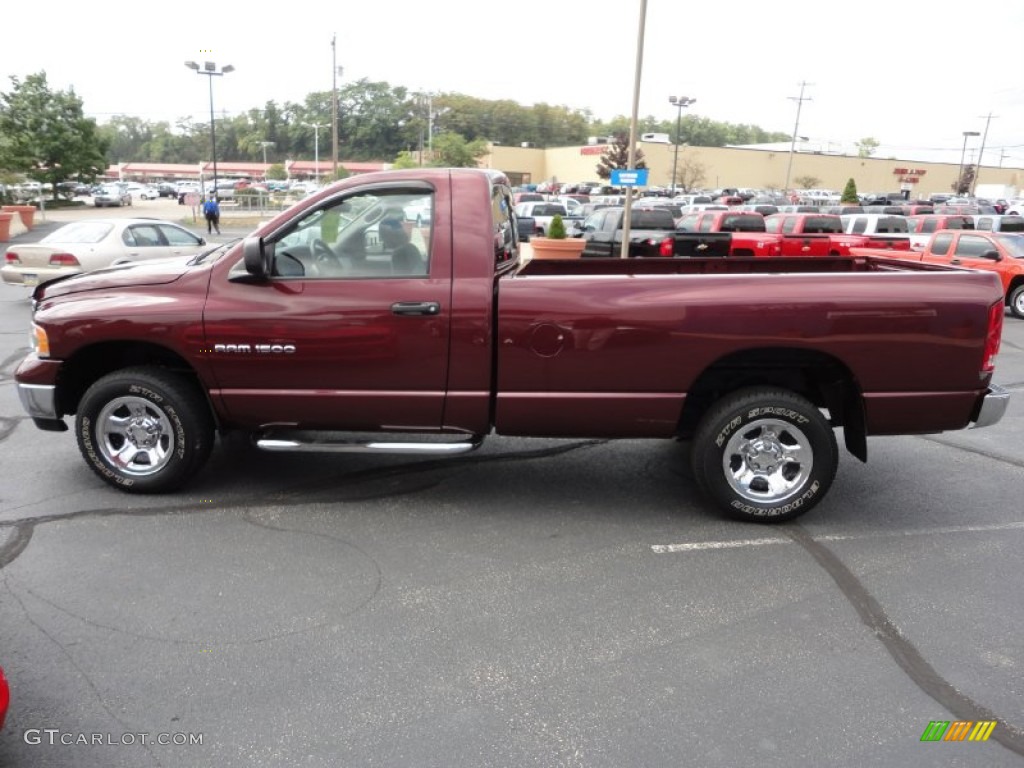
667, 247
993, 337
63, 260
12, 258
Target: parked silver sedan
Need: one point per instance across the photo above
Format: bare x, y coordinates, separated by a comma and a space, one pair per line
113, 195
83, 246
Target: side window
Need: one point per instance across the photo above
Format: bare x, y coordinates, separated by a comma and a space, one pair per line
928, 226
378, 234
506, 234
142, 236
859, 225
940, 244
972, 247
789, 225
176, 236
984, 223
705, 223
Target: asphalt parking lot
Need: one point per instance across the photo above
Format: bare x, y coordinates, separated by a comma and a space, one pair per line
538, 603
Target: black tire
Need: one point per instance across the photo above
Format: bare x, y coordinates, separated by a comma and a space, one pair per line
1016, 301
156, 422
764, 455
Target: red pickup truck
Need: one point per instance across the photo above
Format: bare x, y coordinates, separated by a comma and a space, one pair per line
999, 252
751, 235
824, 229
338, 318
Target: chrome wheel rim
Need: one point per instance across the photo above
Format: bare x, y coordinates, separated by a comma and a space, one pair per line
767, 461
135, 436
1018, 303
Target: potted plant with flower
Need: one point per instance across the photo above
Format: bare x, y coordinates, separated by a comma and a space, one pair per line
555, 244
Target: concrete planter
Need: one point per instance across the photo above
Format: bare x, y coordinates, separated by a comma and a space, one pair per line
548, 248
26, 212
5, 226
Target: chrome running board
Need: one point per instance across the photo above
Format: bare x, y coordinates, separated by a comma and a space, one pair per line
311, 443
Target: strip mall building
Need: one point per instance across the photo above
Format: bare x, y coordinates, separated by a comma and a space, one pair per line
738, 167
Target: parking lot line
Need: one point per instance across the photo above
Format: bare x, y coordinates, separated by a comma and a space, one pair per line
699, 546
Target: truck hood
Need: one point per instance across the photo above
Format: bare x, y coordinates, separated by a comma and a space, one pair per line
140, 273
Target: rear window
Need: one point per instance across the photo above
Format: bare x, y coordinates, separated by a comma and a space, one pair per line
653, 219
742, 223
79, 232
892, 225
823, 225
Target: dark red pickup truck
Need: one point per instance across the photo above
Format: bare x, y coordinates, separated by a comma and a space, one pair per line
340, 317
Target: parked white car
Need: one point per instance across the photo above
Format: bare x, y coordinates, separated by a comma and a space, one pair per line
83, 246
142, 191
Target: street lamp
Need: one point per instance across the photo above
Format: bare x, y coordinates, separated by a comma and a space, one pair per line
210, 70
960, 175
316, 148
682, 101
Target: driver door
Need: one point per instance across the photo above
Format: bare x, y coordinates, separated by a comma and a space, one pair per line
340, 337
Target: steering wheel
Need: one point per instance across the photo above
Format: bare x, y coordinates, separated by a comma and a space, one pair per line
323, 256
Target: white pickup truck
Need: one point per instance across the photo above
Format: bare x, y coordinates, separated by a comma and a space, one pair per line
889, 228
541, 212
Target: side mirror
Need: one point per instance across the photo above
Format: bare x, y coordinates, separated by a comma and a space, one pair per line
992, 255
257, 257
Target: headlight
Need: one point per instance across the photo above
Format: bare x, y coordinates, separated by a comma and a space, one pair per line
40, 341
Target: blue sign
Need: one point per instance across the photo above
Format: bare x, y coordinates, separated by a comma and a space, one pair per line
629, 177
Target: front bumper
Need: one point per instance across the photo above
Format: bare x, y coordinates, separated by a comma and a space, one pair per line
993, 406
37, 389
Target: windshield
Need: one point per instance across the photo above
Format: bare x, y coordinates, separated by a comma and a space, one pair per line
1014, 244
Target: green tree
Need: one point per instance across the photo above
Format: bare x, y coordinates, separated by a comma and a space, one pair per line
404, 160
867, 146
46, 135
277, 172
452, 151
850, 193
962, 186
617, 157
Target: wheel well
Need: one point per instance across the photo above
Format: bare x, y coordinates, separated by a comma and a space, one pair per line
1016, 283
819, 377
87, 365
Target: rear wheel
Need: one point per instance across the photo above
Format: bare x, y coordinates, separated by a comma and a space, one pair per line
1017, 301
144, 430
764, 455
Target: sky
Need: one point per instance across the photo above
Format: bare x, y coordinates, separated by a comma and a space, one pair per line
913, 76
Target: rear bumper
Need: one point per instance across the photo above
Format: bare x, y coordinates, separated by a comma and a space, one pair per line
993, 406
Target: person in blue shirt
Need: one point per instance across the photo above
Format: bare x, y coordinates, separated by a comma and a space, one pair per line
211, 210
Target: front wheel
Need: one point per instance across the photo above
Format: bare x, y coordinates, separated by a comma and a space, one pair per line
764, 455
144, 430
1017, 301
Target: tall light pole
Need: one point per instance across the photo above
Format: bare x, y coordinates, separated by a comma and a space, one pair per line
264, 145
316, 148
209, 69
682, 101
960, 174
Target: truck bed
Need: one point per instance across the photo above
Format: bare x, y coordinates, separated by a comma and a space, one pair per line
720, 266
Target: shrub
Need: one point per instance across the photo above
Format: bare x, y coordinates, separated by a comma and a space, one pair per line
556, 230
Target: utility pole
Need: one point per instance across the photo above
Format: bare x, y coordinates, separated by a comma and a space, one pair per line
981, 152
334, 106
792, 144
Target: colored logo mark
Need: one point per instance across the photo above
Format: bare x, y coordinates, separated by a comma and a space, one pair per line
958, 730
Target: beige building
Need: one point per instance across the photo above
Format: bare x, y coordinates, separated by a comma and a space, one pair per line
743, 168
